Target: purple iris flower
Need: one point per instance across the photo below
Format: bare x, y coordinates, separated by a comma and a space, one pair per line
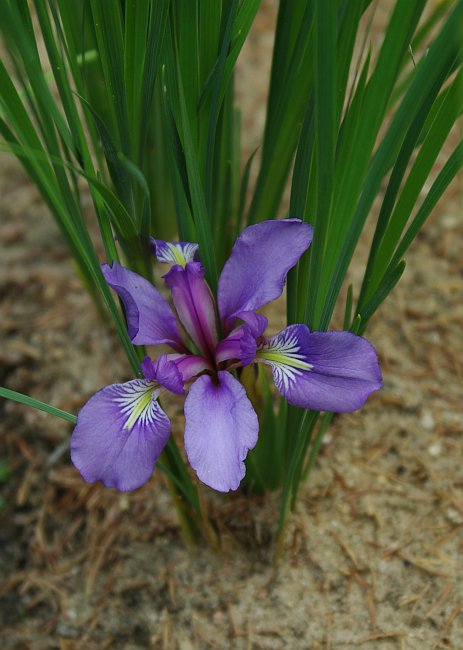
122, 430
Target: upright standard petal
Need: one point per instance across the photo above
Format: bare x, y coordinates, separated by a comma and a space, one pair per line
323, 371
220, 428
256, 271
174, 252
119, 435
150, 320
195, 305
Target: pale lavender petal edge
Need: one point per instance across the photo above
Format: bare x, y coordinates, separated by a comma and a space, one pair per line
257, 323
256, 271
190, 365
150, 319
194, 303
165, 372
221, 426
344, 369
103, 450
240, 344
174, 252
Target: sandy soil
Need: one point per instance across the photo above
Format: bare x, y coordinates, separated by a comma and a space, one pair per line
373, 554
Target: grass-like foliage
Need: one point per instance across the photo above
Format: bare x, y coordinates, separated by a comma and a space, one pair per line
132, 102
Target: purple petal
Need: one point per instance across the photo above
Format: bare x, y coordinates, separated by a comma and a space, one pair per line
220, 428
256, 271
150, 320
174, 252
323, 371
120, 433
194, 303
257, 323
190, 365
164, 372
239, 344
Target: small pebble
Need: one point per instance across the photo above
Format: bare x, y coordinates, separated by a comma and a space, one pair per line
427, 420
435, 449
218, 617
450, 221
454, 516
11, 233
66, 631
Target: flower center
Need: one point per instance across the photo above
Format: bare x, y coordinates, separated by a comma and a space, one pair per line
136, 402
280, 358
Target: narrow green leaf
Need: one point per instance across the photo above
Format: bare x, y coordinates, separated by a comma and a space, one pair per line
151, 69
443, 180
241, 26
316, 444
118, 172
387, 284
348, 308
107, 21
325, 122
244, 193
215, 106
436, 62
393, 219
35, 403
198, 204
289, 96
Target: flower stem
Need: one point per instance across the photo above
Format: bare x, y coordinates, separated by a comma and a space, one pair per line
183, 492
315, 447
293, 476
189, 530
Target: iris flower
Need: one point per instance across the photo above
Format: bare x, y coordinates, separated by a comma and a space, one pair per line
122, 430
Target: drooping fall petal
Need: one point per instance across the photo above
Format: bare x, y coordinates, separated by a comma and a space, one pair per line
323, 371
221, 426
119, 435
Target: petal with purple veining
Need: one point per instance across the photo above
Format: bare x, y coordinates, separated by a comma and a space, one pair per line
174, 252
256, 271
150, 320
323, 371
163, 371
220, 428
190, 365
239, 344
119, 435
257, 323
194, 304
